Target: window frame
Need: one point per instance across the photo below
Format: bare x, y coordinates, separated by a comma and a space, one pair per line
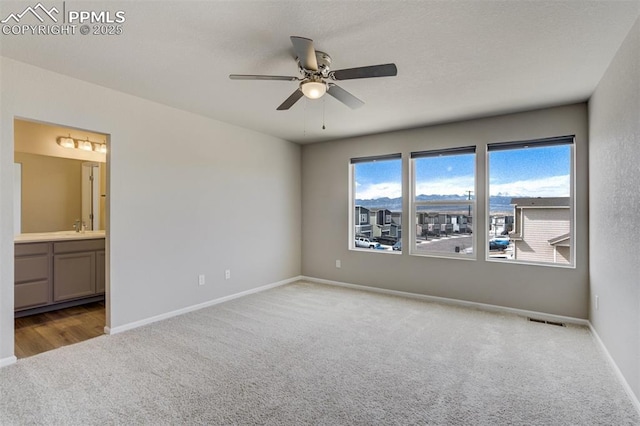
535, 143
352, 194
413, 204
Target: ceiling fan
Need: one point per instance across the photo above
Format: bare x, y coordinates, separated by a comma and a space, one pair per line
317, 77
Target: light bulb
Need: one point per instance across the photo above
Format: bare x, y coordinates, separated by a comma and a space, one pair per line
86, 145
313, 89
66, 142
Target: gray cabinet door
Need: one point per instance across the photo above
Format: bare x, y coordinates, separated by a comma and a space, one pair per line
31, 281
100, 272
74, 275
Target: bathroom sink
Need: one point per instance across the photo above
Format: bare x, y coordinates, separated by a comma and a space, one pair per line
74, 232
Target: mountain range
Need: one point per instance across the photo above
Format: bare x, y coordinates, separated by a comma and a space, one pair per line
500, 204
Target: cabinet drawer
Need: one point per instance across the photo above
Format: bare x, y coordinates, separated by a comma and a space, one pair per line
31, 294
31, 268
79, 245
29, 249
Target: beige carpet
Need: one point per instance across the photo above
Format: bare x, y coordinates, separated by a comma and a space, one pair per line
313, 354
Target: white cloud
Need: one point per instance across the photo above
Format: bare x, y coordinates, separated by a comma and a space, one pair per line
458, 185
552, 186
378, 190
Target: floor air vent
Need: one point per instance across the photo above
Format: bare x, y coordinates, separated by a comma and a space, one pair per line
541, 321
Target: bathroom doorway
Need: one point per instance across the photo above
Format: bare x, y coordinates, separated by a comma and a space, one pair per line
60, 293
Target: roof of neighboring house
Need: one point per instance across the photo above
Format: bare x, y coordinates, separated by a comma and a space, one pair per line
541, 202
561, 240
376, 210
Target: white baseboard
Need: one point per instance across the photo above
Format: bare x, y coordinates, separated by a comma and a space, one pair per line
140, 323
8, 361
456, 302
618, 373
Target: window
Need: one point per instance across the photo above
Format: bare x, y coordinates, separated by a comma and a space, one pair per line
443, 202
376, 203
531, 201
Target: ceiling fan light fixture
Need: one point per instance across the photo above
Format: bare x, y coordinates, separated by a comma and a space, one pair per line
313, 89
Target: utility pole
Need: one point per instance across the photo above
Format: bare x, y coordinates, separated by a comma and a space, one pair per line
469, 198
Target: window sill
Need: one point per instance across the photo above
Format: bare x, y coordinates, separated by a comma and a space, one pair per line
444, 256
524, 262
365, 250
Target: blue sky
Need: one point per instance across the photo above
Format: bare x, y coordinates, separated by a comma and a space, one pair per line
533, 172
378, 179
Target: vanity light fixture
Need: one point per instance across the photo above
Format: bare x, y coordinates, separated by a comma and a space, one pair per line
86, 144
66, 142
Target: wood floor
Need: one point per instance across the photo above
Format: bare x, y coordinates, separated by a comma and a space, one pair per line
42, 332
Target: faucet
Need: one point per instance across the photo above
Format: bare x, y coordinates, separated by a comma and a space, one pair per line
78, 225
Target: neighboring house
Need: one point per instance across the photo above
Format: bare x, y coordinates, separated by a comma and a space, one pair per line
461, 224
435, 224
397, 218
561, 248
384, 225
542, 229
362, 222
500, 224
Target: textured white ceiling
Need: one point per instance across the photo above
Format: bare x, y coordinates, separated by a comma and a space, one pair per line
456, 59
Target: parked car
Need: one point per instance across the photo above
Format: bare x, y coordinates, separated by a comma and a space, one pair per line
498, 244
366, 243
397, 246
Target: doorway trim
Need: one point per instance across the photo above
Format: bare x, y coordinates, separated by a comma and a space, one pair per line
107, 213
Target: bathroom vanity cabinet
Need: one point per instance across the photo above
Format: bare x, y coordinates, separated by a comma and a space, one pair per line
53, 274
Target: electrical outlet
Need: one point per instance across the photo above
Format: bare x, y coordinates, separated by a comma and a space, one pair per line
597, 302
338, 264
227, 274
201, 279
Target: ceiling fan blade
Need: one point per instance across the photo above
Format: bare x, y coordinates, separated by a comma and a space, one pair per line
262, 77
295, 96
385, 70
305, 52
345, 97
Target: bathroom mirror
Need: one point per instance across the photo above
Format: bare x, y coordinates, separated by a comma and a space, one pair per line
58, 185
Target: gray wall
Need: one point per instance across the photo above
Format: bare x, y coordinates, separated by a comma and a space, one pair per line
188, 195
325, 212
614, 165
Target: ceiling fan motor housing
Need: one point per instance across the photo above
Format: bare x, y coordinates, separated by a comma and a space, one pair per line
324, 65
324, 62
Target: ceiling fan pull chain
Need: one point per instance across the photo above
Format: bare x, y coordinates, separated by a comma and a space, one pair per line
323, 104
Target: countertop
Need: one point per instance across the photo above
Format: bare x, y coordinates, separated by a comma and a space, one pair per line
39, 237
